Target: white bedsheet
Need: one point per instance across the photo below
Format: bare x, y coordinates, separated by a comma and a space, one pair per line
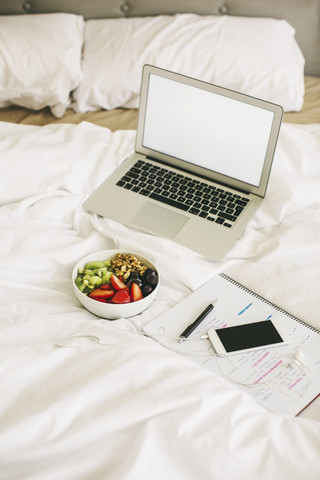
132, 409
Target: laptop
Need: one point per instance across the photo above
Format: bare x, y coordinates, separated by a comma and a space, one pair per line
201, 164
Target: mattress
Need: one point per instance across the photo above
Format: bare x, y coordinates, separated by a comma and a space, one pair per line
121, 118
125, 406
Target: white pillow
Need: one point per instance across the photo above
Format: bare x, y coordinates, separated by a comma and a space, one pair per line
40, 60
257, 56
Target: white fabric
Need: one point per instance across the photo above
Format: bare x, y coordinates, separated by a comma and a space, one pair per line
40, 60
256, 56
133, 409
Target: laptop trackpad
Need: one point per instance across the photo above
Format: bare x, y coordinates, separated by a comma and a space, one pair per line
159, 220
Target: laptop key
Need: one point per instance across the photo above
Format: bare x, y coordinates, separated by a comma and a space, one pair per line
169, 201
237, 211
126, 178
132, 174
243, 203
195, 211
213, 211
227, 216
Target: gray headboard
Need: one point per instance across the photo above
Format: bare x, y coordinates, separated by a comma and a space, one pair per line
303, 15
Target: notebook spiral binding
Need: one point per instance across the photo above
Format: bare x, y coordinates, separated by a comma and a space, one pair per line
256, 295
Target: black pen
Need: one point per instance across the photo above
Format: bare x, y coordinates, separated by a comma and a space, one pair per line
197, 322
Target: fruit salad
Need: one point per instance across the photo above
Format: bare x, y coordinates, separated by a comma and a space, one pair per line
121, 279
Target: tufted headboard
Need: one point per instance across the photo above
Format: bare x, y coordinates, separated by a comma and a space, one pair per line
303, 15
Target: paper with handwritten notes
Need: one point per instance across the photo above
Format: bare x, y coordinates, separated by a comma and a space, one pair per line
270, 375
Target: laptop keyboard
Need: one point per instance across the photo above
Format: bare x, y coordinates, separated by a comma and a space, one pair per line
198, 198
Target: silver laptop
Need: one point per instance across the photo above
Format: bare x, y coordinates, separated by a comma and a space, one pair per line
201, 164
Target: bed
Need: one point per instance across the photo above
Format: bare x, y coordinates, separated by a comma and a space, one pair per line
128, 407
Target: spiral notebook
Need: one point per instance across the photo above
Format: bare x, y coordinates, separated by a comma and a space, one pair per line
278, 386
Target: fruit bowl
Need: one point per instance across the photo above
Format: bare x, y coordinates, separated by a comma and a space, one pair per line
109, 294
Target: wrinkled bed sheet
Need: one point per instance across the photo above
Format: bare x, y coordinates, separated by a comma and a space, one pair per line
75, 409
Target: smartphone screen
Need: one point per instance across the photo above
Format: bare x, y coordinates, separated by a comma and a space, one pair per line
246, 337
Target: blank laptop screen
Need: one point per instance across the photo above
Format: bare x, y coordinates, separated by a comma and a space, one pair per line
207, 129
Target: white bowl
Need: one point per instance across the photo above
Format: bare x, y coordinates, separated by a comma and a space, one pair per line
108, 310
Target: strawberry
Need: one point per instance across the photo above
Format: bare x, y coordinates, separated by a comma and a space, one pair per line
117, 284
101, 294
121, 296
106, 286
136, 293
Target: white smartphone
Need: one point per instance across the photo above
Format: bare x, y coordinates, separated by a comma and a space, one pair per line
246, 337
